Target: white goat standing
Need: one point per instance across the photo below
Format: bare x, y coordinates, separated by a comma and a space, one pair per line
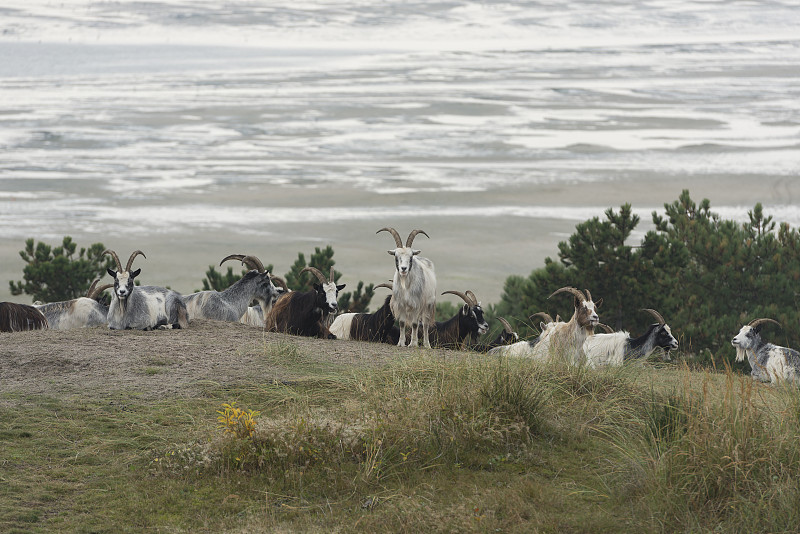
768, 362
615, 347
77, 313
414, 289
142, 307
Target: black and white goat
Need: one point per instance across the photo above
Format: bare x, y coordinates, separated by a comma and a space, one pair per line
506, 337
464, 327
414, 289
768, 362
77, 313
377, 326
18, 317
305, 313
524, 348
613, 349
232, 303
563, 339
142, 307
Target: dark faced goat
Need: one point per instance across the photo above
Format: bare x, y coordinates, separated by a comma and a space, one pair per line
464, 327
305, 313
142, 307
18, 317
613, 349
506, 337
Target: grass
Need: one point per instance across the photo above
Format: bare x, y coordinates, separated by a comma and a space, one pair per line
432, 444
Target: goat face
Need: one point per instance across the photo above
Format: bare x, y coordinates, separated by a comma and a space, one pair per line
748, 338
123, 282
326, 296
586, 312
268, 291
475, 316
664, 338
403, 259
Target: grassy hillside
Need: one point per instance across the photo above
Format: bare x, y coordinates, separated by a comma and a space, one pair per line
123, 434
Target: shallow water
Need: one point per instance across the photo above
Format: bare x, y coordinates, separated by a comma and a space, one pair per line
196, 130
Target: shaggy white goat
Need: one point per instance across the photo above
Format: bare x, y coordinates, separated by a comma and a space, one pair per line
768, 362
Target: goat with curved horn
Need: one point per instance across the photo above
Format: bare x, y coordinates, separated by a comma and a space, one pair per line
461, 329
414, 289
768, 362
655, 314
251, 261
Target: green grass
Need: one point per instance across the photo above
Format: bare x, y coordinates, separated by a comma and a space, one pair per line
424, 444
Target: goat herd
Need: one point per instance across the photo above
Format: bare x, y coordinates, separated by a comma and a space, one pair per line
411, 304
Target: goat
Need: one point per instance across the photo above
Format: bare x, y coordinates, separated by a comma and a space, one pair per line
525, 347
768, 362
559, 338
254, 316
414, 289
77, 313
142, 307
304, 313
377, 326
506, 337
18, 317
614, 348
232, 303
465, 325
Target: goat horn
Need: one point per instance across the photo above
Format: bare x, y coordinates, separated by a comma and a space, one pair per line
316, 272
93, 294
413, 234
506, 326
588, 295
133, 256
605, 327
656, 315
384, 284
254, 263
544, 315
333, 275
239, 257
471, 295
397, 240
459, 294
580, 296
113, 255
278, 281
91, 287
756, 322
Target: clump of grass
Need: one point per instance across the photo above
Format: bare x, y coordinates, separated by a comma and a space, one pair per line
705, 457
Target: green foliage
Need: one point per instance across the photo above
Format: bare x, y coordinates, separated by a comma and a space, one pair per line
55, 274
707, 276
358, 300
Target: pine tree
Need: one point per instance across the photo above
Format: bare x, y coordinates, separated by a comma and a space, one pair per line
55, 274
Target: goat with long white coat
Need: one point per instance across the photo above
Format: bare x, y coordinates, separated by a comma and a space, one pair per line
232, 303
142, 307
414, 289
768, 362
561, 338
613, 349
81, 312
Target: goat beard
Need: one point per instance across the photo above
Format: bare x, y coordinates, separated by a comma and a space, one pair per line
741, 354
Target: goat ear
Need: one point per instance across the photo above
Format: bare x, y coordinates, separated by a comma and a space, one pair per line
136, 273
317, 287
391, 252
415, 252
598, 303
465, 309
112, 272
340, 287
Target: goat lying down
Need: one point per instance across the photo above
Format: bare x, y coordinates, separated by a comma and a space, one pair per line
377, 326
142, 307
614, 348
232, 303
768, 362
506, 337
306, 313
464, 327
19, 317
78, 313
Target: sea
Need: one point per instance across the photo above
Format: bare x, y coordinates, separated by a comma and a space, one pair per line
195, 130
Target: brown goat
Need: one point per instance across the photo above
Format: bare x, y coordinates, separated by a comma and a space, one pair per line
18, 317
